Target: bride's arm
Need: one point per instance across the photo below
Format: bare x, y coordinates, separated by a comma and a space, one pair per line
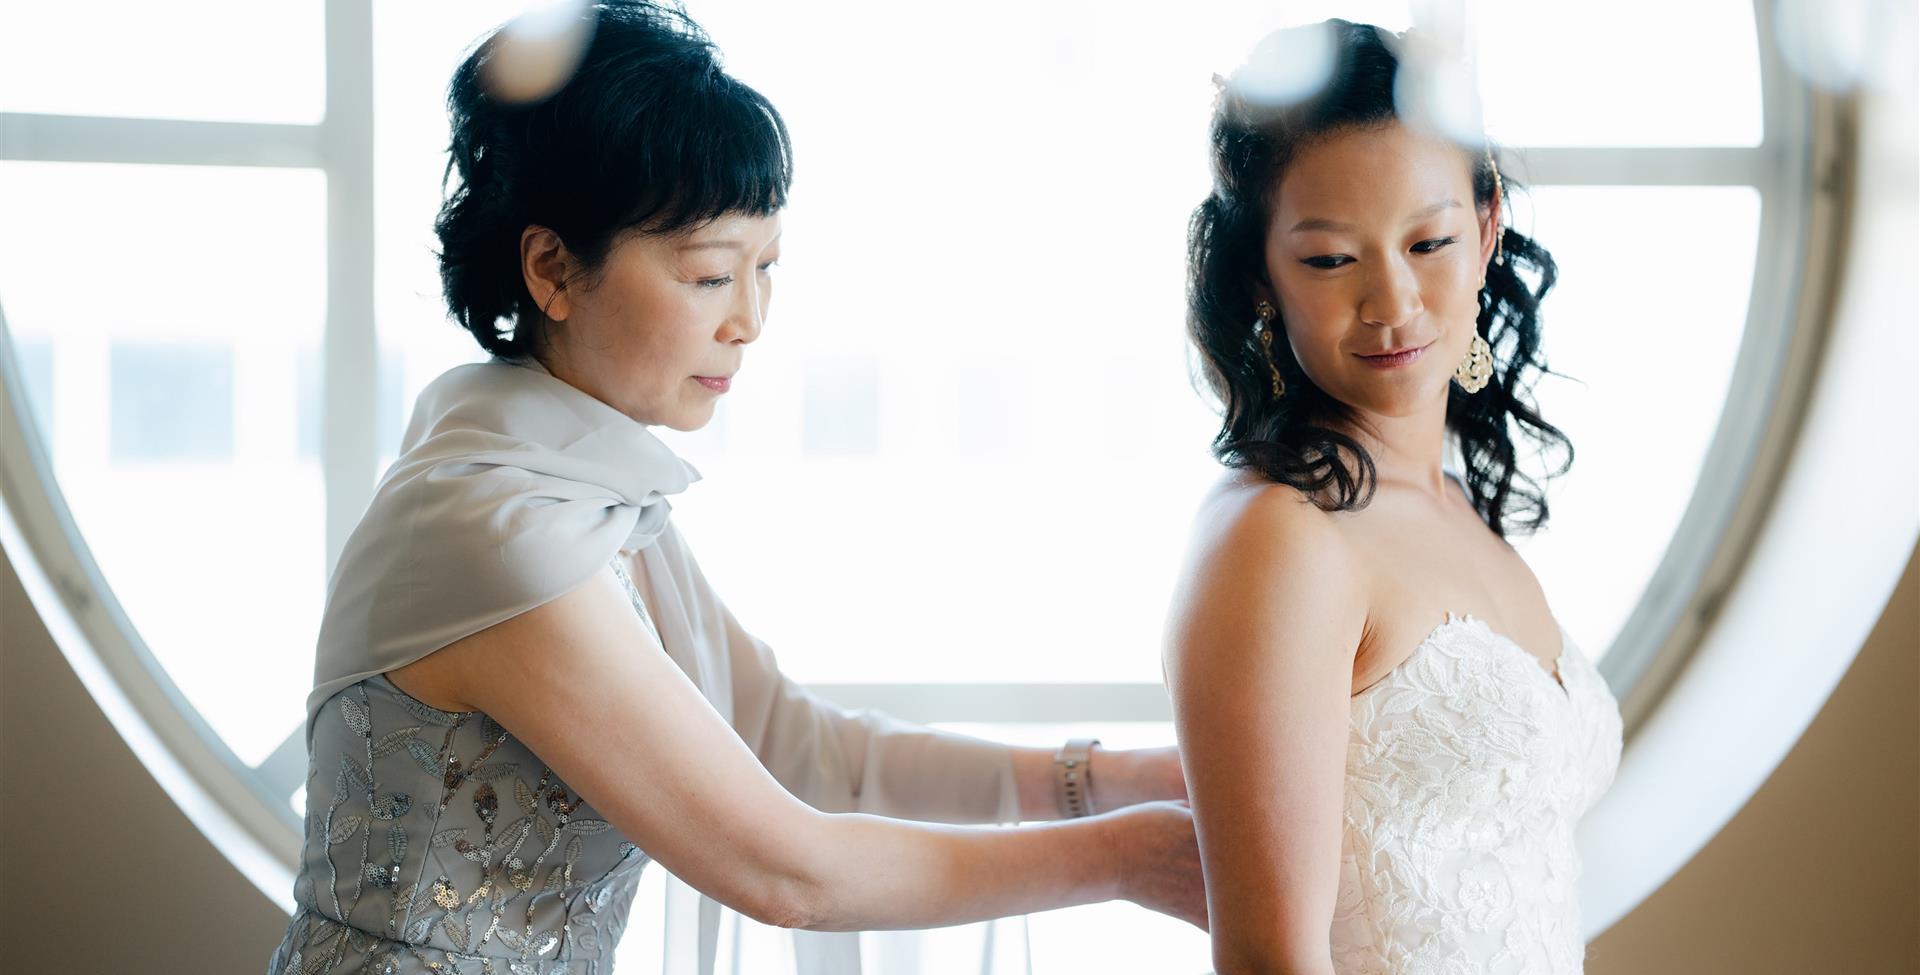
1265, 624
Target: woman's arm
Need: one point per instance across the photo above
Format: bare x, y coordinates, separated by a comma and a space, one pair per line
899, 769
864, 761
586, 687
1265, 624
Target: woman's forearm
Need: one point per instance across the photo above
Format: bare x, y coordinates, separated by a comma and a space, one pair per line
871, 873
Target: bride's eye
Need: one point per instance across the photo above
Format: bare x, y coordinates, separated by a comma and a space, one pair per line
1429, 246
1326, 262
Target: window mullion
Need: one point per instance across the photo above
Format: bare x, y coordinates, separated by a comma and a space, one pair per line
348, 422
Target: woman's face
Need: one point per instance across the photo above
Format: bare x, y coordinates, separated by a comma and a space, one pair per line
1375, 246
665, 324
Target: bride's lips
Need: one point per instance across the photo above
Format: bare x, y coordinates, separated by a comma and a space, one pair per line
1394, 360
718, 384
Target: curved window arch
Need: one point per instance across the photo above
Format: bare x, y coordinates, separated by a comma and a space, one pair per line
1005, 251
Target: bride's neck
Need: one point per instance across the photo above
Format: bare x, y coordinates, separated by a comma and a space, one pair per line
1409, 450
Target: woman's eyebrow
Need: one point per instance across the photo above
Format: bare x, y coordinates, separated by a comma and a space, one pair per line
724, 243
1322, 223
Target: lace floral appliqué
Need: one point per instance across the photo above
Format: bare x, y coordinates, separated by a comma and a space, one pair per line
1468, 768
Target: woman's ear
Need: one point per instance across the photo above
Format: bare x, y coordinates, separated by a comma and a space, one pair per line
545, 266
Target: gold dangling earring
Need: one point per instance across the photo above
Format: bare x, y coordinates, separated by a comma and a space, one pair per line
1264, 311
1473, 371
1499, 234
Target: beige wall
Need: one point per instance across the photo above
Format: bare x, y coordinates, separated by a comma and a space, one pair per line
1820, 873
99, 871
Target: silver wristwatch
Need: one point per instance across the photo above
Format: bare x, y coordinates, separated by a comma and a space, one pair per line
1072, 781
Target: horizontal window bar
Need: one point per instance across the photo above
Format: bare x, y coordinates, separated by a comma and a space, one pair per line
1637, 166
80, 138
1013, 703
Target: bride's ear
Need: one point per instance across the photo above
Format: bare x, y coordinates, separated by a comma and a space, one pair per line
1262, 290
1489, 230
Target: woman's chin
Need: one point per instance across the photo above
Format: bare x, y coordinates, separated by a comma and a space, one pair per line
688, 418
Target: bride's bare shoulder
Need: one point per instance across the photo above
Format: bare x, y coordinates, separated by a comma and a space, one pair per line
1263, 549
1245, 515
1270, 582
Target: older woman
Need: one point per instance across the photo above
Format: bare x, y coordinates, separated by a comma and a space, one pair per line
525, 688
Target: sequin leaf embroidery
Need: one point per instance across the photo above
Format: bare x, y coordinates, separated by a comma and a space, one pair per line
393, 742
495, 771
356, 716
430, 715
426, 755
345, 828
353, 779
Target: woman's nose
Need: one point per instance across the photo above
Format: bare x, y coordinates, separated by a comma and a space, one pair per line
748, 315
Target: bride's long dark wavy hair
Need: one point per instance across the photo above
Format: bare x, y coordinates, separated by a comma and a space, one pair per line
1287, 439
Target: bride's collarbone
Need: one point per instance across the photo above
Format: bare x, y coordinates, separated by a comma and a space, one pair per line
1417, 581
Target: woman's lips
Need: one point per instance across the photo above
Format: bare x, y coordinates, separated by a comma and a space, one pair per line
1395, 360
718, 384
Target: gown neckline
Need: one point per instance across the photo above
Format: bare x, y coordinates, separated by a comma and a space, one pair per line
1557, 676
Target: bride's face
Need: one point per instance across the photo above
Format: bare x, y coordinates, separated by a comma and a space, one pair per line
1375, 246
659, 332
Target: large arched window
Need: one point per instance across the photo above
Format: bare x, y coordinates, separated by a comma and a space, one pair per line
955, 476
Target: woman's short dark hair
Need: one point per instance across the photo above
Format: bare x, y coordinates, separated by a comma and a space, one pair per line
648, 135
1287, 439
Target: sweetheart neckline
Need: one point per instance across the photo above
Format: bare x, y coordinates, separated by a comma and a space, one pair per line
1557, 676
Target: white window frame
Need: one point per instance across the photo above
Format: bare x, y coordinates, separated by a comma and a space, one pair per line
1785, 371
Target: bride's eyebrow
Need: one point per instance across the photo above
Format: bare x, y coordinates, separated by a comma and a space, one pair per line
1434, 208
1322, 223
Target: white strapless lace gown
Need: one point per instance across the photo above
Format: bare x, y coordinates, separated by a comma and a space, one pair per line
1468, 768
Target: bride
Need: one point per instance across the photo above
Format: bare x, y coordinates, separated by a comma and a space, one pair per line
1388, 737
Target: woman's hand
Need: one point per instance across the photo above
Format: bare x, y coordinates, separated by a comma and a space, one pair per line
1159, 860
1123, 778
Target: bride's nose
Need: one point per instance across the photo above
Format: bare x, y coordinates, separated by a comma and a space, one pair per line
1391, 295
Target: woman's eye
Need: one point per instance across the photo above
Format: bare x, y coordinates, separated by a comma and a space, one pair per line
769, 265
1326, 262
719, 282
1429, 246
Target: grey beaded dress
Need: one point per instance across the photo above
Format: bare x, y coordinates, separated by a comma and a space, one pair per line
437, 842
